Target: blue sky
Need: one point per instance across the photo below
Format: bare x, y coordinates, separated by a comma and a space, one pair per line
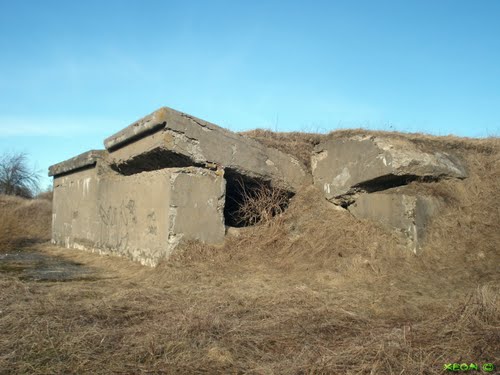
75, 72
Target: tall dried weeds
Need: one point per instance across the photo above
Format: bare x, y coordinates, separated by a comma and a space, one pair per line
23, 221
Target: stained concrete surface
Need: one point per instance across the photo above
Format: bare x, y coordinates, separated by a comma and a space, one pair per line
409, 215
343, 166
168, 138
142, 216
85, 160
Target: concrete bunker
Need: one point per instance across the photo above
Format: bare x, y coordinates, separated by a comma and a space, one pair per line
402, 211
368, 176
348, 165
171, 139
166, 178
143, 216
170, 177
239, 187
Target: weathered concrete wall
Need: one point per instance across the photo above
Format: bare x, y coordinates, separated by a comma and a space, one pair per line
168, 138
74, 214
146, 215
360, 173
366, 163
408, 214
75, 195
142, 216
196, 205
133, 215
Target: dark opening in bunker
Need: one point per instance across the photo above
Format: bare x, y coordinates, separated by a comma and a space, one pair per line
390, 181
251, 201
153, 160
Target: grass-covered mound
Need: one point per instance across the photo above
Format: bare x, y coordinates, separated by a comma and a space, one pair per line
313, 290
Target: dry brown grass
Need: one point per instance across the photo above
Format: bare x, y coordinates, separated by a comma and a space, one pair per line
315, 292
23, 221
47, 195
297, 144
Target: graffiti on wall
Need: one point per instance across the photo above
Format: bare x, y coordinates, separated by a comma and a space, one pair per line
117, 222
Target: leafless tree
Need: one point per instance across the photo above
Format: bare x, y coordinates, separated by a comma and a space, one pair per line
16, 177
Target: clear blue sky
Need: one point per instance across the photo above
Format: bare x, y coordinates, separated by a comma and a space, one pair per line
75, 72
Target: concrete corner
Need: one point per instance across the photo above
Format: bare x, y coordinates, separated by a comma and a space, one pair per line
408, 214
85, 160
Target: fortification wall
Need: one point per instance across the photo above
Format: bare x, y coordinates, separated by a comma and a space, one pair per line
162, 180
143, 216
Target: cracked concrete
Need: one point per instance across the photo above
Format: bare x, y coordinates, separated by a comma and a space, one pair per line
360, 173
409, 215
175, 134
171, 177
160, 181
344, 166
86, 160
142, 216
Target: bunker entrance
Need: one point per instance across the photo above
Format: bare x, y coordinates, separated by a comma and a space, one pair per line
250, 201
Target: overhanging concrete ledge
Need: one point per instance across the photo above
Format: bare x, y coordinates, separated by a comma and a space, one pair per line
141, 128
168, 138
86, 159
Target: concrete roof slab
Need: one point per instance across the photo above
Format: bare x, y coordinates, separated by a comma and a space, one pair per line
80, 161
168, 138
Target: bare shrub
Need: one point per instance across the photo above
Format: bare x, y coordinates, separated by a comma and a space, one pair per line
261, 202
16, 178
